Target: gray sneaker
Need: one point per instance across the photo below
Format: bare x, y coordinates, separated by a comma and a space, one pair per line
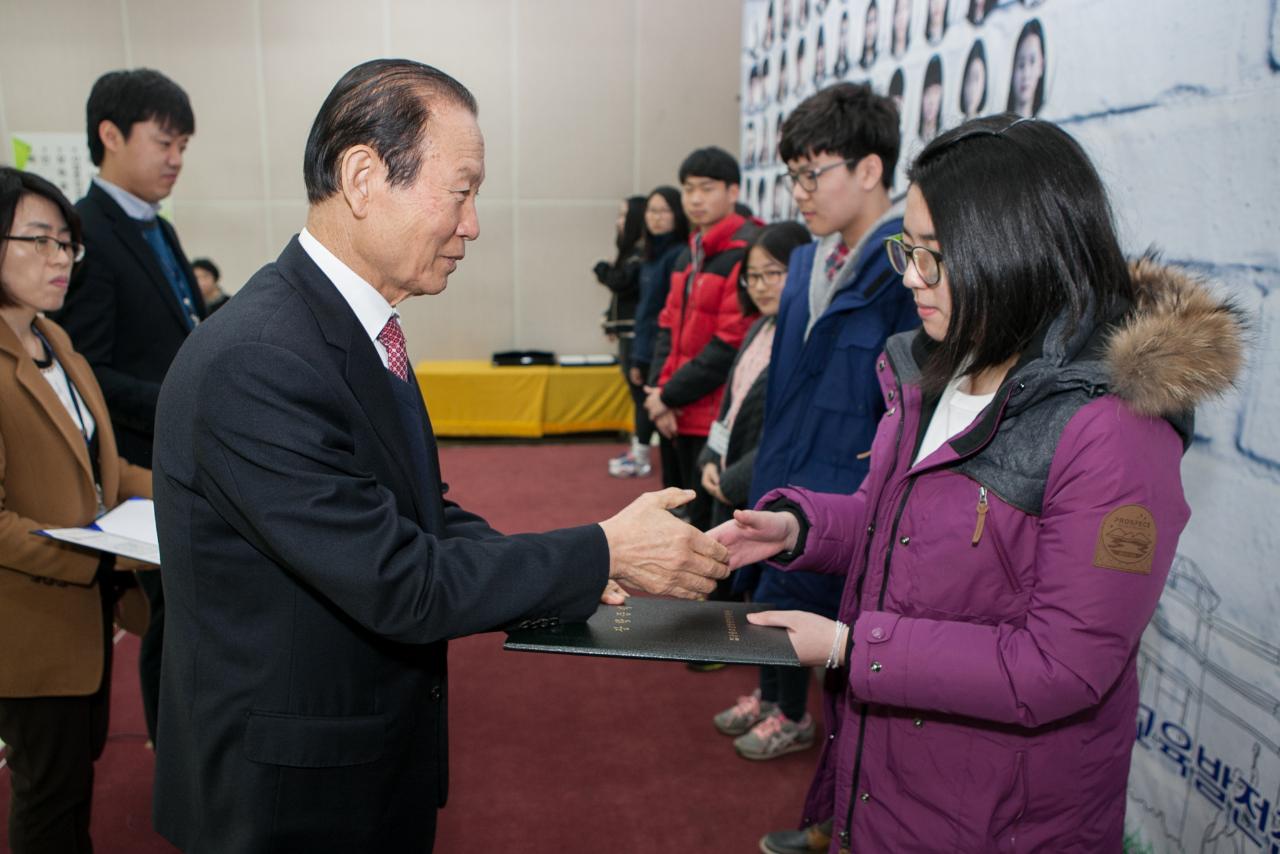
744, 714
814, 839
776, 736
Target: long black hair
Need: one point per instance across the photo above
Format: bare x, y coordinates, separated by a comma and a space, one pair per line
679, 235
633, 230
1026, 233
779, 240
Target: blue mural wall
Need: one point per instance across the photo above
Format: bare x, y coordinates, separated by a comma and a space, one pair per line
1178, 102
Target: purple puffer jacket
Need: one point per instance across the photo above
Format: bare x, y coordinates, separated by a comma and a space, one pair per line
998, 589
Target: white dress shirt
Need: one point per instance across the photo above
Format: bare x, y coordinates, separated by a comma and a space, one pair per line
134, 207
371, 309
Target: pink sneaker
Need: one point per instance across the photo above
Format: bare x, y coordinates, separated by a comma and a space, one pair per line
744, 714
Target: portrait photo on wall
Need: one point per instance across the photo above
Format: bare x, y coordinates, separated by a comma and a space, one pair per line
1026, 83
841, 68
780, 196
870, 35
978, 10
931, 100
820, 59
901, 27
897, 91
973, 85
784, 82
798, 89
935, 23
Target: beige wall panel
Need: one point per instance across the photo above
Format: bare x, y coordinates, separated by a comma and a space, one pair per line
574, 115
306, 46
472, 42
233, 234
284, 220
473, 316
560, 302
210, 50
683, 105
50, 54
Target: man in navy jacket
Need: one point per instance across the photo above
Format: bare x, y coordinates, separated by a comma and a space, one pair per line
842, 300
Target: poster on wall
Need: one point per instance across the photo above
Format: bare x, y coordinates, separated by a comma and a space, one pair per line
1184, 138
60, 158
930, 56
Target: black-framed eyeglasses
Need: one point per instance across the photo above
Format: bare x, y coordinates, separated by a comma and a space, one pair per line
808, 178
901, 255
49, 247
768, 277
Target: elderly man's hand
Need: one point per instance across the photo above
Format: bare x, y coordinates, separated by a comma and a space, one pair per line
614, 594
652, 550
667, 425
755, 535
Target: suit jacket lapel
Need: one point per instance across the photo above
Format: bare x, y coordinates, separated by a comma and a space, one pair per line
30, 378
363, 370
129, 233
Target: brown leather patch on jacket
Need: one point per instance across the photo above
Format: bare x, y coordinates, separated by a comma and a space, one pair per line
1127, 540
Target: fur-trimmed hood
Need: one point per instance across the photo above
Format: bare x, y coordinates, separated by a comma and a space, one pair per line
1180, 345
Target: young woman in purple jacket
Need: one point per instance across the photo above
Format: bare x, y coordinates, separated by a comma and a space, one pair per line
1023, 507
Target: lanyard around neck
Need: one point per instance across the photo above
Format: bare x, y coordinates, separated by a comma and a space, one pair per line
71, 391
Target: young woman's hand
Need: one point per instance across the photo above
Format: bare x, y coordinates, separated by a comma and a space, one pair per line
811, 635
755, 535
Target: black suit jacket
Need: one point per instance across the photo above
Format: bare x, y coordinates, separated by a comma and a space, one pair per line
123, 317
312, 578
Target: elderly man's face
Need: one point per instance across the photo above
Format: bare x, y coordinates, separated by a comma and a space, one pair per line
419, 232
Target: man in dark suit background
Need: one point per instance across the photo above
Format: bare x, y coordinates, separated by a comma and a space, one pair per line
314, 569
134, 299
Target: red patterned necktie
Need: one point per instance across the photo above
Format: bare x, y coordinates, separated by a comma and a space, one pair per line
392, 337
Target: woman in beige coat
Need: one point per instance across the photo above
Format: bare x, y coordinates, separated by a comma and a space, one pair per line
58, 468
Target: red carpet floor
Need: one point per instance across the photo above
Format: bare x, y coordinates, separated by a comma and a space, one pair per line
548, 753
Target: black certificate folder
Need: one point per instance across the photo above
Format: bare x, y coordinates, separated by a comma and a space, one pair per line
670, 629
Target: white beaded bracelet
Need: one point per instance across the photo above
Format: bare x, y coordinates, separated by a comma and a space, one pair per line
837, 646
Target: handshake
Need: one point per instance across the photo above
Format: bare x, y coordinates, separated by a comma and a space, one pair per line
652, 550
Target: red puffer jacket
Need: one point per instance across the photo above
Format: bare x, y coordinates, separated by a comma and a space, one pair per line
704, 324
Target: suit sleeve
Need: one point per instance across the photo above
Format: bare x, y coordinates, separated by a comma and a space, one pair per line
1083, 622
276, 456
89, 317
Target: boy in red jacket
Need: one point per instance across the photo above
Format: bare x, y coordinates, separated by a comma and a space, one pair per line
701, 325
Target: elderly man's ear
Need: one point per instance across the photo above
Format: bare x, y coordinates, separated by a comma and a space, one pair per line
359, 165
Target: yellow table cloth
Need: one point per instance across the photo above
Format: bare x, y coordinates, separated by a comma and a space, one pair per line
473, 398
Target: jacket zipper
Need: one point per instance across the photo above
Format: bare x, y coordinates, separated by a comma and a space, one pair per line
845, 834
982, 515
862, 726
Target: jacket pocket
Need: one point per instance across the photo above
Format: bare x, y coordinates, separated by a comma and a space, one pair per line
303, 741
950, 767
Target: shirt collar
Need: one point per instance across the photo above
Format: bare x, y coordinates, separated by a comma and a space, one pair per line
370, 307
134, 207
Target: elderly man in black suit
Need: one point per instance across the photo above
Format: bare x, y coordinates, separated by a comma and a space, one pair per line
134, 299
314, 568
